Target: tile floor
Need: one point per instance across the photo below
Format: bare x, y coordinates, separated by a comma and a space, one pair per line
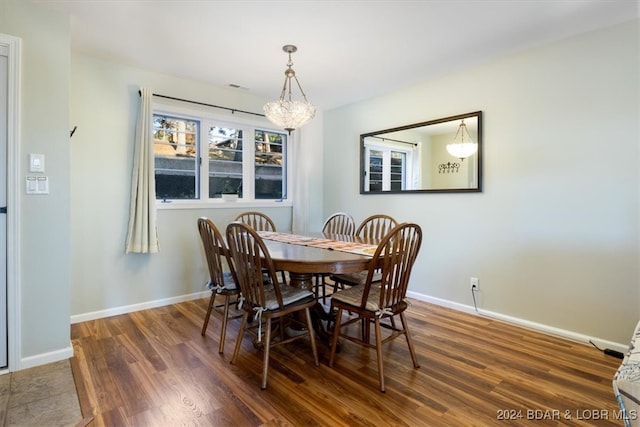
43, 396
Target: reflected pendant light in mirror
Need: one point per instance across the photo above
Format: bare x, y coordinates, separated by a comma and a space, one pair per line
462, 145
286, 112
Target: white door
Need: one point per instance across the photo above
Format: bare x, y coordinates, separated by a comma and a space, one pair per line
4, 52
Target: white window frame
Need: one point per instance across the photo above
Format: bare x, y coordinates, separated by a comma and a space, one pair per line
248, 126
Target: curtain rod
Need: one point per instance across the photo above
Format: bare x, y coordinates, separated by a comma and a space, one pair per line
415, 144
233, 110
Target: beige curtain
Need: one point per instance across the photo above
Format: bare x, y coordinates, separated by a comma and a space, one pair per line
142, 236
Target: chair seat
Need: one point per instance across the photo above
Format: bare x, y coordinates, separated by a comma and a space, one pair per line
290, 295
353, 297
355, 279
229, 284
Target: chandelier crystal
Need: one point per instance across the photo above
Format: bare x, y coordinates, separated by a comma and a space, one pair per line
286, 112
462, 147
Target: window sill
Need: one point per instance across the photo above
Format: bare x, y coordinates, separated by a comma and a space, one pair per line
221, 204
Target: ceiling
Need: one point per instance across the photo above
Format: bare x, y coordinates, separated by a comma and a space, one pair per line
347, 50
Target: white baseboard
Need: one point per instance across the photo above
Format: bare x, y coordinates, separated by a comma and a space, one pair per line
44, 358
136, 307
550, 330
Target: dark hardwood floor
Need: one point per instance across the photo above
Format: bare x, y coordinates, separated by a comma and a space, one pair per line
153, 368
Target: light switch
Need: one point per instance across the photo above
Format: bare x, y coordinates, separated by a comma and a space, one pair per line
32, 184
37, 184
36, 163
43, 185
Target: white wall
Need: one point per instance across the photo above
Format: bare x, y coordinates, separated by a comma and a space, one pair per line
44, 235
554, 236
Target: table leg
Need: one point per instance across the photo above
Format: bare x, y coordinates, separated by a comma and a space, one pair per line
301, 280
318, 312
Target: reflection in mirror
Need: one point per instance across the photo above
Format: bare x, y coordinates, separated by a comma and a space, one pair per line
442, 155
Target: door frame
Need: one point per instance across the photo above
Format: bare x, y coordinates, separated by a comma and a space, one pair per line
14, 46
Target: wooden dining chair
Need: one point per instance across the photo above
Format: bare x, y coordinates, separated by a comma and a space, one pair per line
222, 276
374, 227
337, 223
258, 220
266, 302
375, 301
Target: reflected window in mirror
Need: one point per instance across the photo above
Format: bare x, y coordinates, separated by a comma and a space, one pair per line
416, 157
386, 167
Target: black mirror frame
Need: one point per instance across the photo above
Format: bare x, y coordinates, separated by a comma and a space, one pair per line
479, 155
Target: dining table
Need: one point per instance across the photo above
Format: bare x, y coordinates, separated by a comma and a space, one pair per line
306, 255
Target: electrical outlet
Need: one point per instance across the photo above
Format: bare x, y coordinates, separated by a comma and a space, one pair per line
475, 283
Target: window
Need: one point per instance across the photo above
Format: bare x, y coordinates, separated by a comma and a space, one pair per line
269, 162
387, 168
175, 148
198, 158
224, 147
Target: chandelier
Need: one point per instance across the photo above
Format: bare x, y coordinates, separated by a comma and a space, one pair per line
286, 112
462, 147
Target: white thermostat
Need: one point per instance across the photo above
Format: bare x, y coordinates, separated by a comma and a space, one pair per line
36, 163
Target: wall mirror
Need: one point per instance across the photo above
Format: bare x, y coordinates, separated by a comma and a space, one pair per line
431, 156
